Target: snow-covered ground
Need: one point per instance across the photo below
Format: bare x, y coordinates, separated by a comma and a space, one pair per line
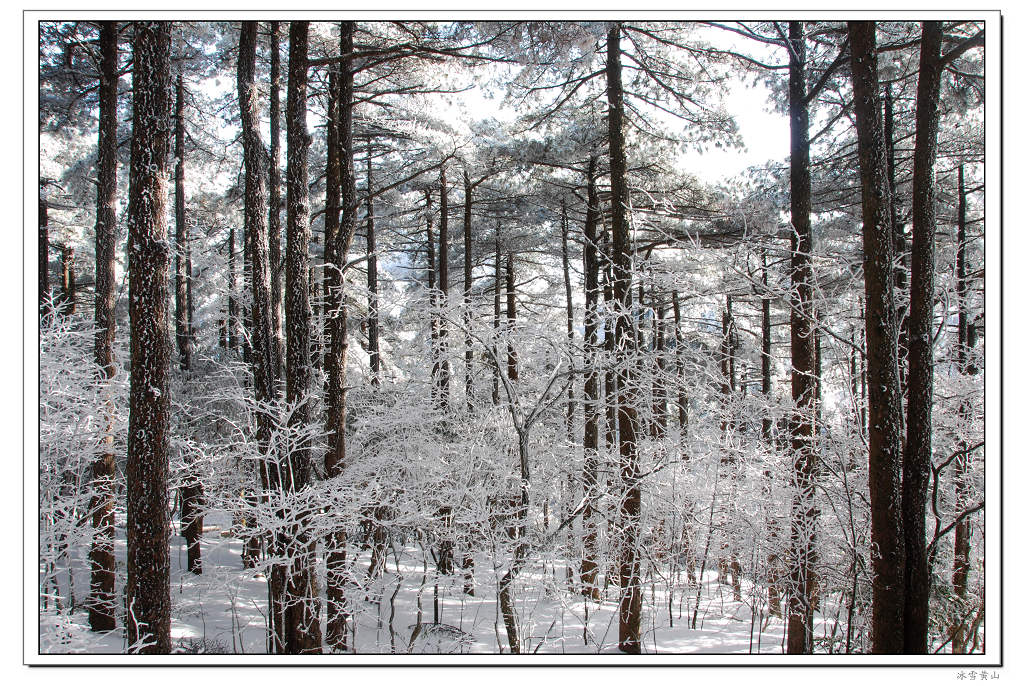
224, 610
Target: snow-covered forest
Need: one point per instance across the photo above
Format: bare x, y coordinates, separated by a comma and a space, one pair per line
390, 337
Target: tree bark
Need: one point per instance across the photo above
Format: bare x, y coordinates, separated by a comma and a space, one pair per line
147, 592
511, 316
629, 563
301, 617
180, 232
274, 184
495, 377
232, 321
801, 610
435, 371
44, 252
884, 397
766, 351
444, 378
570, 406
918, 457
467, 281
372, 306
191, 490
966, 335
340, 170
591, 390
659, 394
682, 399
102, 605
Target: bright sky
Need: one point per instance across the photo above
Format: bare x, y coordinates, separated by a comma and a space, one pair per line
765, 134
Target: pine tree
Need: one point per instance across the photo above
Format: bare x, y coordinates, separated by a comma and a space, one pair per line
147, 593
102, 604
917, 459
629, 562
883, 378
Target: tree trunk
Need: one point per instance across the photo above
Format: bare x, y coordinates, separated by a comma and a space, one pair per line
591, 390
495, 377
629, 563
340, 170
918, 457
147, 592
44, 252
442, 272
766, 352
965, 365
232, 286
102, 605
435, 372
192, 490
659, 395
511, 316
301, 616
467, 282
274, 183
256, 223
570, 407
884, 397
726, 361
372, 307
682, 400
801, 610
180, 232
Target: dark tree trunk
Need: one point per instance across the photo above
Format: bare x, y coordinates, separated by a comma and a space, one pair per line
435, 372
610, 394
372, 307
570, 407
591, 390
918, 457
495, 377
147, 592
629, 562
102, 605
467, 282
611, 403
339, 239
44, 252
659, 396
180, 233
726, 361
766, 351
510, 317
884, 397
256, 222
274, 183
966, 335
444, 378
682, 401
190, 313
467, 286
232, 286
301, 615
192, 489
801, 610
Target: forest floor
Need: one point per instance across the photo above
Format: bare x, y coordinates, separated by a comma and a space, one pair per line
224, 610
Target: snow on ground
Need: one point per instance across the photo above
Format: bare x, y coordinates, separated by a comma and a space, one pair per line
224, 610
